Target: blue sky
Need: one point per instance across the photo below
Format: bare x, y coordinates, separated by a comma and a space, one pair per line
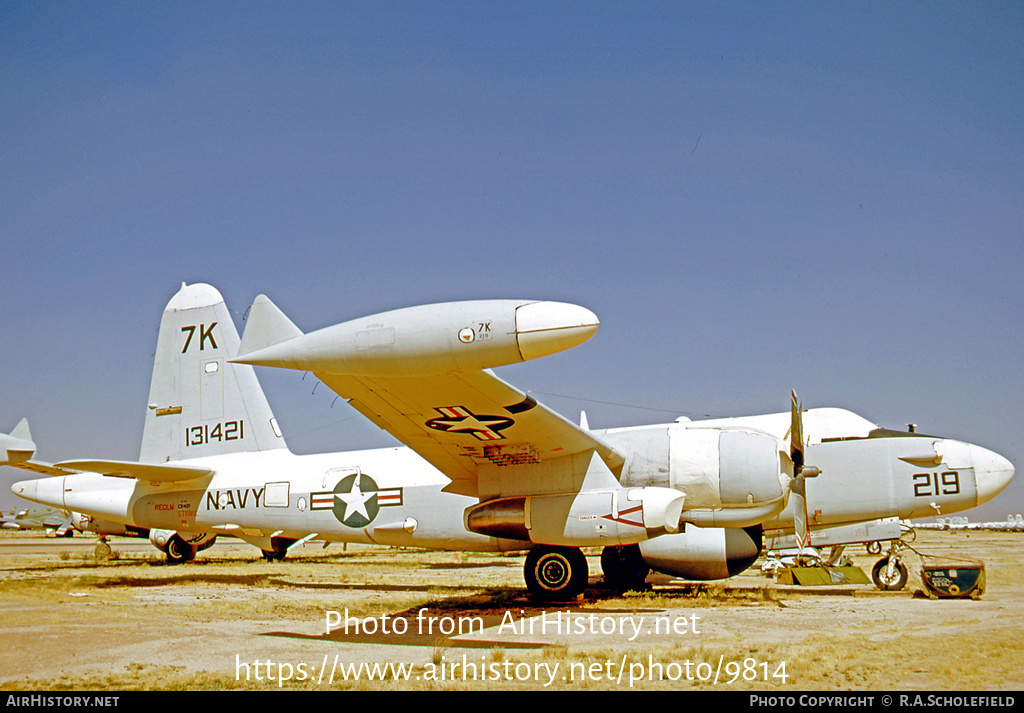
753, 197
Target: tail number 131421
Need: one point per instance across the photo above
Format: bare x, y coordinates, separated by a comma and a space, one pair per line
215, 433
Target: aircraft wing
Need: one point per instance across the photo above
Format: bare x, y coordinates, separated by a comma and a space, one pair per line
423, 375
467, 422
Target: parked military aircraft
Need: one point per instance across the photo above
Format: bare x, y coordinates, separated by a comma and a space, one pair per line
1012, 523
487, 467
58, 524
52, 521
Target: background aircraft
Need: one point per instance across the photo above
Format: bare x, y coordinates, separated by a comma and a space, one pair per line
487, 467
1012, 523
53, 521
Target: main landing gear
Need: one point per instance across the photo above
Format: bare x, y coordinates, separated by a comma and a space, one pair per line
560, 574
555, 574
624, 567
278, 549
179, 551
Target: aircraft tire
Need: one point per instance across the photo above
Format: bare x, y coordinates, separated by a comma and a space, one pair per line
178, 550
893, 583
278, 549
555, 574
624, 567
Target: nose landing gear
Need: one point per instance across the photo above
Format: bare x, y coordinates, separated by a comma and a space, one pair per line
889, 573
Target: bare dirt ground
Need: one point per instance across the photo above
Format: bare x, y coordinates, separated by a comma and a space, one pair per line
426, 620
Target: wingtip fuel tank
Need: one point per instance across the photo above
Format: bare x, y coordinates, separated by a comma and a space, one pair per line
428, 339
544, 328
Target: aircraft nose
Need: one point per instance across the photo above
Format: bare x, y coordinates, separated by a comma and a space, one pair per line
991, 471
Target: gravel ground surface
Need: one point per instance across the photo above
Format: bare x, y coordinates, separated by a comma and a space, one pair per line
402, 619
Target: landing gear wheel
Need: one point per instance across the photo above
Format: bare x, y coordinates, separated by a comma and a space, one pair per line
278, 549
624, 567
275, 555
102, 551
555, 574
889, 579
178, 550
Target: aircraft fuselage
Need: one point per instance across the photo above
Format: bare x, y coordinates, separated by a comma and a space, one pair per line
386, 496
392, 496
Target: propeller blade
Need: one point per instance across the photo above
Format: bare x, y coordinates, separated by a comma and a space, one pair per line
801, 530
66, 525
796, 435
801, 471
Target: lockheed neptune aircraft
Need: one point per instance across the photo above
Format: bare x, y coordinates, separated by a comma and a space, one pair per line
486, 466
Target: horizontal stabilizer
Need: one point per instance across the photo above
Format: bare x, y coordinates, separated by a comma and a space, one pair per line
18, 446
40, 467
139, 471
265, 327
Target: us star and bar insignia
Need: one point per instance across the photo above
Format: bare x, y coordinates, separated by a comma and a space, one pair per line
459, 419
355, 500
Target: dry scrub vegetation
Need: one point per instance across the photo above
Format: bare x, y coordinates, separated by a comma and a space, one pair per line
71, 621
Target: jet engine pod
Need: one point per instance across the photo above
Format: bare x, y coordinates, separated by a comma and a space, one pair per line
701, 553
592, 518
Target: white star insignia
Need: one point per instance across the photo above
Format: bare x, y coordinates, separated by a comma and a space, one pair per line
355, 500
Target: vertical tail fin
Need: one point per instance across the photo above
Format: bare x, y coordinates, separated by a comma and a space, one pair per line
200, 404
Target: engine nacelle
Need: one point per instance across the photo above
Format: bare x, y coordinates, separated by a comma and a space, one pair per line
731, 477
587, 519
704, 553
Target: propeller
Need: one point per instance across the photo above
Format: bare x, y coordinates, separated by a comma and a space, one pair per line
801, 471
66, 525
